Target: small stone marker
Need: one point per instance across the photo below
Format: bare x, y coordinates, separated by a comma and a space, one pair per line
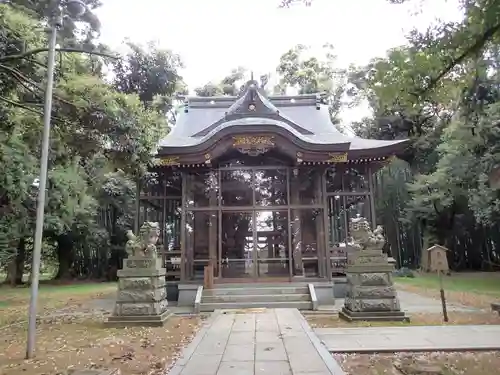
142, 293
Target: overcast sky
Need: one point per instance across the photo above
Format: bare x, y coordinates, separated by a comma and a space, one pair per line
214, 36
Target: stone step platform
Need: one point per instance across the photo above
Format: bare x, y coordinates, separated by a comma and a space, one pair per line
301, 305
373, 316
259, 295
251, 289
138, 320
259, 298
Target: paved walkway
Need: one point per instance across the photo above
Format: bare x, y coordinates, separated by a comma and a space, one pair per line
415, 338
410, 303
274, 342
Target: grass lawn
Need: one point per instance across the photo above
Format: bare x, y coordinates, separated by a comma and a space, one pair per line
477, 289
14, 301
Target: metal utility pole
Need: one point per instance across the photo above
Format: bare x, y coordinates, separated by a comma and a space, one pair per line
76, 8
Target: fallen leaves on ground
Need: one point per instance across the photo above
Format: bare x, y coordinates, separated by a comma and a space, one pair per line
432, 363
52, 300
84, 343
472, 299
418, 319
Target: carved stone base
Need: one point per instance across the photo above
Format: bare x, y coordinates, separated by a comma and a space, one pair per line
370, 292
142, 296
381, 316
138, 320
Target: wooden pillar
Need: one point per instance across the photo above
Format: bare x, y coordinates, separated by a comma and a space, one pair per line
184, 273
219, 226
371, 187
320, 235
164, 219
212, 231
289, 177
325, 201
208, 276
296, 230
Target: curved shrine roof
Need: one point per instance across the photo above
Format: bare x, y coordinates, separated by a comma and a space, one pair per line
302, 119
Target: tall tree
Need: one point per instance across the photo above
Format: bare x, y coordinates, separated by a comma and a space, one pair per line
313, 74
229, 85
96, 130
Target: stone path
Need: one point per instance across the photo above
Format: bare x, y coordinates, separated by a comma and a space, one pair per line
416, 303
410, 303
262, 342
416, 338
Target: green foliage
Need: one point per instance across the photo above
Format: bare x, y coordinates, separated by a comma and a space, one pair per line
102, 137
442, 91
148, 72
229, 85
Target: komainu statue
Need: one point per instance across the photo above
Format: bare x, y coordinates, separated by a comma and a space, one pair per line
142, 294
370, 291
363, 236
144, 244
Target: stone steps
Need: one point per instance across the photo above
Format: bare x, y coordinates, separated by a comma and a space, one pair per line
256, 291
256, 296
301, 305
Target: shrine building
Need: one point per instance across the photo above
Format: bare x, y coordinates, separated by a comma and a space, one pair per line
260, 187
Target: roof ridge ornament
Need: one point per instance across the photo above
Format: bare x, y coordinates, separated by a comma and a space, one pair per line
264, 79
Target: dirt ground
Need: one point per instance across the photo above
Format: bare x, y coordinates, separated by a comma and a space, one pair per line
435, 363
83, 343
72, 298
71, 334
419, 319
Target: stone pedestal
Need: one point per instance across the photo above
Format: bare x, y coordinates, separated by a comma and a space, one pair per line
370, 292
142, 295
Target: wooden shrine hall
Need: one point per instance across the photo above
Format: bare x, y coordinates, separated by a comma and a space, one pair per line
262, 187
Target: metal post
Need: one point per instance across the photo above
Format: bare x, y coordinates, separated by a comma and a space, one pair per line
37, 246
441, 294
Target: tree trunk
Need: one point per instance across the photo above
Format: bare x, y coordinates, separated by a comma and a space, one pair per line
11, 272
20, 259
65, 257
15, 270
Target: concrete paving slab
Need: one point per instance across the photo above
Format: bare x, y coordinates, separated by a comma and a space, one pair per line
275, 342
267, 336
236, 368
241, 337
239, 353
270, 351
272, 367
416, 338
